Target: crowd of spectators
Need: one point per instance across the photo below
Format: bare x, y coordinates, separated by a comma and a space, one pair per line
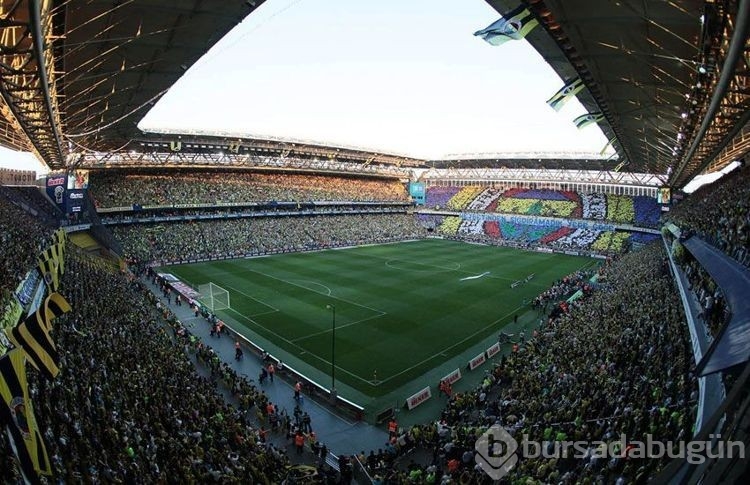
128, 405
252, 236
161, 215
714, 309
720, 213
615, 362
116, 189
530, 232
564, 288
21, 243
626, 209
611, 241
580, 238
31, 199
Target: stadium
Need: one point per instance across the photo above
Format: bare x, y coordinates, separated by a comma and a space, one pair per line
199, 303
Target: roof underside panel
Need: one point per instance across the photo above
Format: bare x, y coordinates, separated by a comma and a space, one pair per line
11, 135
637, 58
120, 57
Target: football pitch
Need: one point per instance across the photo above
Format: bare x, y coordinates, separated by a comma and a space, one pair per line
401, 309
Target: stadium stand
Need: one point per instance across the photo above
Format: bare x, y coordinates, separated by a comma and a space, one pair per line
135, 409
720, 214
254, 236
630, 366
715, 312
620, 354
550, 210
599, 238
141, 399
129, 405
22, 242
116, 189
34, 202
638, 210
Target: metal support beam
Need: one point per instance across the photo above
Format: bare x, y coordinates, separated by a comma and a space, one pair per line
26, 79
734, 55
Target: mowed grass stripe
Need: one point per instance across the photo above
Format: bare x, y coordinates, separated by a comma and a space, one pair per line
308, 313
430, 314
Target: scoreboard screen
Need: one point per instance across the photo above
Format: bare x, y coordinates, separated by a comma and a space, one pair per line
664, 195
417, 192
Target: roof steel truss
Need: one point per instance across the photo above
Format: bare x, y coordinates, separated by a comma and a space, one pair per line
27, 77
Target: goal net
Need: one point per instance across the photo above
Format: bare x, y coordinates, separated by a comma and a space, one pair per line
214, 297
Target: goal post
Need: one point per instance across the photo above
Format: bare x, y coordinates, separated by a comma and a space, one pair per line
214, 297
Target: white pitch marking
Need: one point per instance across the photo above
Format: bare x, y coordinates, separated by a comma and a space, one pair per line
475, 277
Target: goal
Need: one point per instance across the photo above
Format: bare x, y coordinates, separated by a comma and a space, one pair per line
214, 297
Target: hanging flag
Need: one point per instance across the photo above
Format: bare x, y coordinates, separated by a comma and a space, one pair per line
60, 249
561, 97
60, 236
17, 414
610, 142
52, 252
55, 253
54, 306
32, 335
588, 119
48, 269
514, 25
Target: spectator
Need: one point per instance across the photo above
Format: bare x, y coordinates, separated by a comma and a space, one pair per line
239, 237
616, 361
116, 189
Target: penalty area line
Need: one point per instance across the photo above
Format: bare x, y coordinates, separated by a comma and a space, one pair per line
317, 357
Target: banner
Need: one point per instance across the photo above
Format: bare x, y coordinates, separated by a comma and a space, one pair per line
493, 350
74, 201
588, 119
25, 289
418, 398
609, 142
452, 377
9, 176
32, 335
36, 301
477, 361
12, 311
60, 236
55, 187
185, 290
578, 294
17, 413
49, 269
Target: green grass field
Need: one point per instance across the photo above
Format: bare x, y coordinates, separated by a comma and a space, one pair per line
401, 309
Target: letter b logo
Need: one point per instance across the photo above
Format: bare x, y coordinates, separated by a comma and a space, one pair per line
496, 452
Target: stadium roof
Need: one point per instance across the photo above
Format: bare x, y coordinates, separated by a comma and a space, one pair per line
78, 75
119, 58
652, 68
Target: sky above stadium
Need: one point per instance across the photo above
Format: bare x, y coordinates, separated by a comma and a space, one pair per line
397, 76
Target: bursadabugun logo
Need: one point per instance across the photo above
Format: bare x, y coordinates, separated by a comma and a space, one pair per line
496, 452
